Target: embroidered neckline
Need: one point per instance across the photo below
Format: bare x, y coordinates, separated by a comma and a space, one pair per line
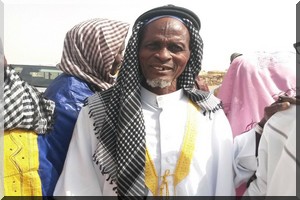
183, 164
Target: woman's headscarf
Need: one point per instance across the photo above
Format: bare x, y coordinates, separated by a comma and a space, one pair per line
90, 49
119, 121
24, 106
252, 82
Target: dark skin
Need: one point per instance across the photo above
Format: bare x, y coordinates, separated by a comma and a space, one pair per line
281, 104
164, 52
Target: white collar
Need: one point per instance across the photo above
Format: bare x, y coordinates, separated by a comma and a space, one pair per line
160, 100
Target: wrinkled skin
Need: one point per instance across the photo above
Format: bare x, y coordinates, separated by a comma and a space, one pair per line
163, 53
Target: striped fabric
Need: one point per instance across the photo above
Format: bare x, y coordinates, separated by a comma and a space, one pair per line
24, 106
90, 49
119, 122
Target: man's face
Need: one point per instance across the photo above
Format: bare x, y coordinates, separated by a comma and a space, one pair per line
164, 52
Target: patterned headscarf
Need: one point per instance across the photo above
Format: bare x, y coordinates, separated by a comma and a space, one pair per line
119, 122
24, 106
90, 49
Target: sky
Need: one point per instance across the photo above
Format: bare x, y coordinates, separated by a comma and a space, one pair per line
34, 30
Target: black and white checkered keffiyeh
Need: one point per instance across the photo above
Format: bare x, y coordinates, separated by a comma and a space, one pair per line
24, 106
119, 123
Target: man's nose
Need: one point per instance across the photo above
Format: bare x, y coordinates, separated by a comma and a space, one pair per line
163, 54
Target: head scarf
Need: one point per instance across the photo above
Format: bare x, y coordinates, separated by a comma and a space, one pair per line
252, 82
90, 49
119, 122
24, 106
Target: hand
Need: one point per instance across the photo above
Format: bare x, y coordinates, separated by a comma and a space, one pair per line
292, 100
282, 103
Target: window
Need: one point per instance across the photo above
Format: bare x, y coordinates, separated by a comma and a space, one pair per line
37, 75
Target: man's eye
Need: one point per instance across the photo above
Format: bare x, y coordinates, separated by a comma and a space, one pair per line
175, 48
153, 46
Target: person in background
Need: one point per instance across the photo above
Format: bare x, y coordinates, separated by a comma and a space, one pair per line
153, 132
246, 145
92, 54
201, 84
252, 82
277, 161
27, 115
233, 56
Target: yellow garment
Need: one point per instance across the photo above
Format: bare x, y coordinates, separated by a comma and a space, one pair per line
183, 163
21, 163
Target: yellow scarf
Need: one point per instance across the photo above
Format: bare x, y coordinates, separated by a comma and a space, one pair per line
184, 161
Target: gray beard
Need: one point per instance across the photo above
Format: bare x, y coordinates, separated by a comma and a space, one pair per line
158, 83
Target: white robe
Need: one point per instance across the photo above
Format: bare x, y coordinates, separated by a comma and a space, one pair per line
276, 172
245, 161
211, 171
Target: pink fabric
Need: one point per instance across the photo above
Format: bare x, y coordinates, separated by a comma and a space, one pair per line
250, 83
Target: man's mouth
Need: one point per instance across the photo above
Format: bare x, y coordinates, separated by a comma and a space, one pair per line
162, 68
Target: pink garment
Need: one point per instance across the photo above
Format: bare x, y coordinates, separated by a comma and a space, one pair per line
251, 83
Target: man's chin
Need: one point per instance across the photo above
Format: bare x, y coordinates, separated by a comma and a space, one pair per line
158, 83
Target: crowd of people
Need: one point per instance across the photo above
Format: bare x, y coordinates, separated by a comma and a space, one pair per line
266, 75
137, 120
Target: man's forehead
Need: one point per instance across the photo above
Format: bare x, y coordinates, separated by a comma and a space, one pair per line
166, 28
171, 10
165, 22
